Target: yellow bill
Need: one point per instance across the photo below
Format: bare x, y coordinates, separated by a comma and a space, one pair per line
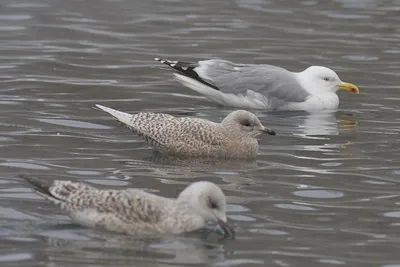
348, 87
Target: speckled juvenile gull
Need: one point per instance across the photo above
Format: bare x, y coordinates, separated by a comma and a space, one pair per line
135, 212
234, 137
261, 86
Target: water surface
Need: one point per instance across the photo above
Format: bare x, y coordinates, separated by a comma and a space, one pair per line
323, 192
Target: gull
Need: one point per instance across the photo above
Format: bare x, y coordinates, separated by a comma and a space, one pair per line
136, 212
254, 86
234, 137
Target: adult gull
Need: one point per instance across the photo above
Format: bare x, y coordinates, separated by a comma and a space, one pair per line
261, 86
134, 211
234, 137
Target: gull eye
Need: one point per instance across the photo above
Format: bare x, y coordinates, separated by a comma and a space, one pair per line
247, 123
212, 205
326, 79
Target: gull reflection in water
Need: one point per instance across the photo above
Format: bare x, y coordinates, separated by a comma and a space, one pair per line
323, 124
105, 249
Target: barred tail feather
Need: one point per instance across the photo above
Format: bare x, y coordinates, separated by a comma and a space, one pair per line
42, 188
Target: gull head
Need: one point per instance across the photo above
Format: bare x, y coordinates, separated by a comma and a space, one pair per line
208, 201
317, 79
245, 122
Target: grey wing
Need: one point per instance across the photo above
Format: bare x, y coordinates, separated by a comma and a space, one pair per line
276, 84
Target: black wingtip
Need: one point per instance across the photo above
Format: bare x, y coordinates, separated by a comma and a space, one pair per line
37, 184
169, 63
163, 61
187, 69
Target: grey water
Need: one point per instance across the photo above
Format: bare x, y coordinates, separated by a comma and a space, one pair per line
323, 192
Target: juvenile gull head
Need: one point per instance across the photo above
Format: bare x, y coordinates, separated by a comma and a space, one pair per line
234, 137
261, 86
135, 212
246, 123
209, 201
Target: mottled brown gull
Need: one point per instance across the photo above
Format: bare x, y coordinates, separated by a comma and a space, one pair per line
234, 137
261, 86
136, 212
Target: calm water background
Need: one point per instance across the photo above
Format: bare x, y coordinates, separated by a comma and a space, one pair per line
323, 192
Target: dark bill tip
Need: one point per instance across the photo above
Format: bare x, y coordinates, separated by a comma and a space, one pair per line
269, 131
228, 229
